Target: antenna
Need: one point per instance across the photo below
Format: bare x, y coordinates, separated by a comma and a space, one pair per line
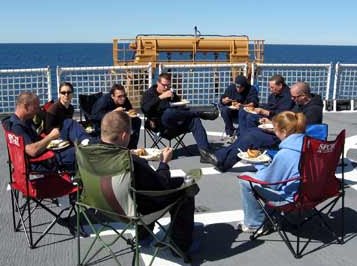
197, 32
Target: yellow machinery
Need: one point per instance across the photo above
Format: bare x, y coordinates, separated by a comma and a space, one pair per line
152, 48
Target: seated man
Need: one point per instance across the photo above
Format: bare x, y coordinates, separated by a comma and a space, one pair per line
307, 103
155, 104
20, 123
117, 100
60, 110
115, 130
279, 100
240, 93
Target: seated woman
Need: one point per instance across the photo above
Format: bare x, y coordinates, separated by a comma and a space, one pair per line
60, 110
289, 127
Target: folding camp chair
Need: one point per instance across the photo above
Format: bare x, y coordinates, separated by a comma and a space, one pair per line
317, 131
106, 177
318, 193
86, 102
33, 190
157, 134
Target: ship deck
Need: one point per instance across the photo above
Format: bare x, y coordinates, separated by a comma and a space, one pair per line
218, 208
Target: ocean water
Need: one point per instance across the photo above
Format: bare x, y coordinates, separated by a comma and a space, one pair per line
94, 54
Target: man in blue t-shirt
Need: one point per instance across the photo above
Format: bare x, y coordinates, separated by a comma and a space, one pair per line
241, 93
20, 123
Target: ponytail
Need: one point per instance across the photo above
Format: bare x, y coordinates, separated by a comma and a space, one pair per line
290, 122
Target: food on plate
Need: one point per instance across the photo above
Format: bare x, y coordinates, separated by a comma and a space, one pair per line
140, 152
235, 103
132, 112
253, 153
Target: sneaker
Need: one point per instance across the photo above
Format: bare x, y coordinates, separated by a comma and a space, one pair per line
231, 139
245, 229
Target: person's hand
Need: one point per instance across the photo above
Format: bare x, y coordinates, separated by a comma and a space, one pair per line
264, 120
261, 111
226, 100
166, 155
120, 109
166, 94
54, 134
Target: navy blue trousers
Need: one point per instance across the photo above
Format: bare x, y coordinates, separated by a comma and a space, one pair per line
247, 120
134, 138
188, 120
229, 117
251, 138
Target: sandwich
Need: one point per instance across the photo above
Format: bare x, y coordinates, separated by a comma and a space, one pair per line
253, 153
140, 152
132, 112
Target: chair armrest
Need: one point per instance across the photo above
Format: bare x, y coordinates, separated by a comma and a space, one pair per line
43, 157
188, 189
260, 182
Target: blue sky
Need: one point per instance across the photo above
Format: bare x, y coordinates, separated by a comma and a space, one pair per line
275, 21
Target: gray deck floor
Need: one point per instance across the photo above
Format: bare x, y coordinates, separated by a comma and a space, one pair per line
218, 209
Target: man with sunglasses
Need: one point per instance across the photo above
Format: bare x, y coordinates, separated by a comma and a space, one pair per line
116, 100
241, 93
156, 105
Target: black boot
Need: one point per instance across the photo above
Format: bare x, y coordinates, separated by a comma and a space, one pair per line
209, 114
207, 157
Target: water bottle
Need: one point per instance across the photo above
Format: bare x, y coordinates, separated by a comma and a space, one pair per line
188, 179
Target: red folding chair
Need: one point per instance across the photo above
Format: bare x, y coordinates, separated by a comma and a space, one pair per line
318, 193
33, 190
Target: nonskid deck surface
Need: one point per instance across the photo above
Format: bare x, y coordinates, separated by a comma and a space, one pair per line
218, 209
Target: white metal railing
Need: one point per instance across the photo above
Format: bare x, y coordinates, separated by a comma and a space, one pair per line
15, 81
317, 75
87, 80
199, 83
345, 84
202, 84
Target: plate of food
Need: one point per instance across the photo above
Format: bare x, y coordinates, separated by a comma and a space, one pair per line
235, 105
180, 103
58, 144
150, 154
254, 156
250, 109
89, 129
132, 113
267, 126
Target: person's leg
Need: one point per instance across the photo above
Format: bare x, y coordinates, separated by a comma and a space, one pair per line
195, 126
175, 117
73, 131
228, 116
182, 227
66, 158
252, 120
134, 138
253, 213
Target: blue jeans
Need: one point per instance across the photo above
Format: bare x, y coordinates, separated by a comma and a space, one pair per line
229, 117
189, 120
71, 130
253, 213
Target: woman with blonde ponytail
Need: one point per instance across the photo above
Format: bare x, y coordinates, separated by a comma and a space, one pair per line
289, 127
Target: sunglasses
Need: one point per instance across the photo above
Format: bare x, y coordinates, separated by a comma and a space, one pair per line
165, 85
65, 92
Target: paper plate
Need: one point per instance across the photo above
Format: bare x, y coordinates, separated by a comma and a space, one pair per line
249, 111
266, 126
233, 107
58, 144
152, 154
263, 158
181, 103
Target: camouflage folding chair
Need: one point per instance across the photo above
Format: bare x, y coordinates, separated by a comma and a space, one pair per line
105, 174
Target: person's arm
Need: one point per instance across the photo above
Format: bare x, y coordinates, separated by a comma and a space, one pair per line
36, 148
149, 102
226, 97
252, 97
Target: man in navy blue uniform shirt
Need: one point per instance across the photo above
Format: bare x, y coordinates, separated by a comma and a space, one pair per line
117, 100
241, 93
